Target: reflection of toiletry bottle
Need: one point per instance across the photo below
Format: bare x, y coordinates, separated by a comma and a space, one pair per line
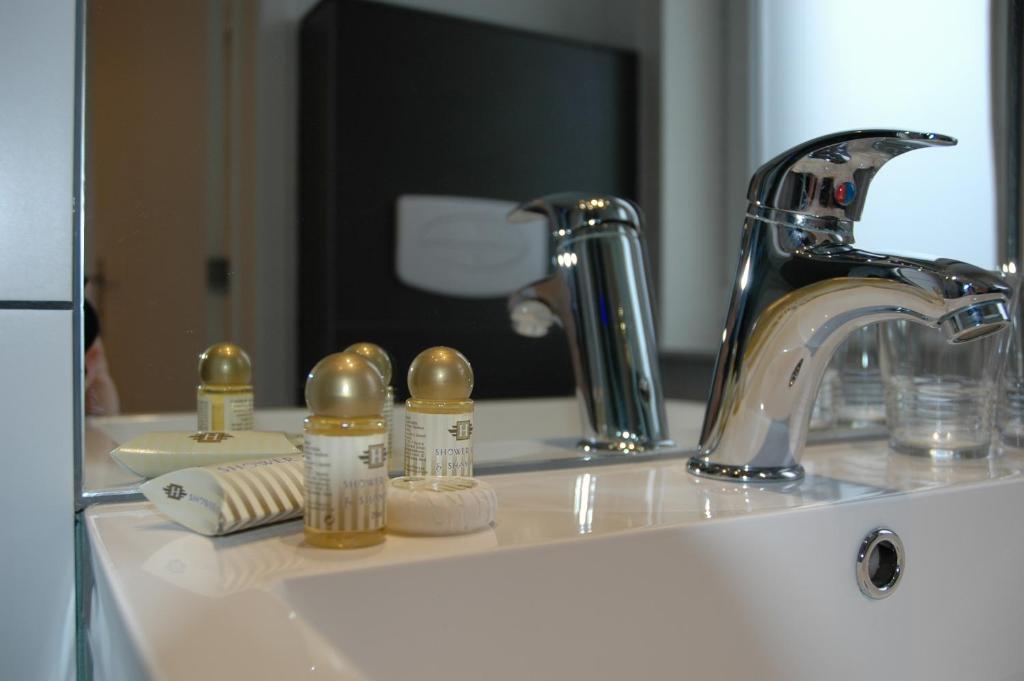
224, 396
379, 358
346, 453
439, 415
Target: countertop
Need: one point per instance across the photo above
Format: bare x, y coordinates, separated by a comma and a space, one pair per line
162, 581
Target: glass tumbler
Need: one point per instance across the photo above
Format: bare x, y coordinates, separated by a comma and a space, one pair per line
939, 396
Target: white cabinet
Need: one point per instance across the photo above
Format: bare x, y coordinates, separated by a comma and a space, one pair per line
36, 497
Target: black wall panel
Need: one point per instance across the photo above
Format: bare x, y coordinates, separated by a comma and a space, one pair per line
395, 101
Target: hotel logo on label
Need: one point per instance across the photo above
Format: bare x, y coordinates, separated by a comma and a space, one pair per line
462, 430
174, 491
210, 438
374, 456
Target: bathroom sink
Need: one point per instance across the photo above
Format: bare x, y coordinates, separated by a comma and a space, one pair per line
766, 598
637, 570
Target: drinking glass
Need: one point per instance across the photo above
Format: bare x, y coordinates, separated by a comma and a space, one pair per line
939, 396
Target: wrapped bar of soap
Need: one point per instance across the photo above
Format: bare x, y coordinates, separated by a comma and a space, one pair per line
158, 453
221, 499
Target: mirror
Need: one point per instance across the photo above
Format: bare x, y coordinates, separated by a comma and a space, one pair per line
247, 165
296, 177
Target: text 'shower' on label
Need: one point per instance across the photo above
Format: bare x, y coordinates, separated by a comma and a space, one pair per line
439, 444
346, 482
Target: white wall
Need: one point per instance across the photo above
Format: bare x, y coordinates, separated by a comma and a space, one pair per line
35, 177
746, 80
37, 44
276, 214
915, 65
699, 136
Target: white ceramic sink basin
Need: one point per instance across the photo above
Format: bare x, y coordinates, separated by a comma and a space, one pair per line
768, 598
627, 571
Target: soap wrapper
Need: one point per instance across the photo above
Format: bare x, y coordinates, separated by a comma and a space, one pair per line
158, 453
226, 498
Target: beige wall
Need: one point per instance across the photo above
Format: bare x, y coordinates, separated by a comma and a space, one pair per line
147, 192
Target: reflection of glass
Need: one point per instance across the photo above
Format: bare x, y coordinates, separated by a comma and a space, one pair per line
860, 399
722, 498
1010, 409
939, 396
824, 415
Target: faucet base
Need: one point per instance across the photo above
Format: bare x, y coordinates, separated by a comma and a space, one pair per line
623, 446
709, 469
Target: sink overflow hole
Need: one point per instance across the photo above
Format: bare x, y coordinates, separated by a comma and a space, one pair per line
880, 563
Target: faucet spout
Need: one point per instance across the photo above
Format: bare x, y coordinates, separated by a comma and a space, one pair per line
802, 288
598, 291
777, 349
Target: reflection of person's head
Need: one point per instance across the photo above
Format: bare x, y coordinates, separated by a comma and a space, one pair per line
101, 398
92, 325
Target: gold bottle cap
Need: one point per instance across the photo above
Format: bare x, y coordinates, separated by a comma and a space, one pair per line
225, 364
440, 373
377, 356
345, 385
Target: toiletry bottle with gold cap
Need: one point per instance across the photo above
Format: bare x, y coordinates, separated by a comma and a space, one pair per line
439, 415
345, 452
379, 357
224, 396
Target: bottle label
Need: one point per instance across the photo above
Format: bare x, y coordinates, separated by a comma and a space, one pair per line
224, 411
388, 414
238, 411
204, 409
346, 482
438, 444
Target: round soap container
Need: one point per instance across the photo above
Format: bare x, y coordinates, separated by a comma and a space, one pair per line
437, 506
439, 415
346, 473
224, 399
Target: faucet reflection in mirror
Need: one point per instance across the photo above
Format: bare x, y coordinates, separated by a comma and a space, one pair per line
598, 290
802, 288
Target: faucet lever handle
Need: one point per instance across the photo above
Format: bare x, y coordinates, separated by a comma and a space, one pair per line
828, 177
576, 213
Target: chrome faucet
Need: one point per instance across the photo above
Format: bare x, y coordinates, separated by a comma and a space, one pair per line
598, 290
801, 288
